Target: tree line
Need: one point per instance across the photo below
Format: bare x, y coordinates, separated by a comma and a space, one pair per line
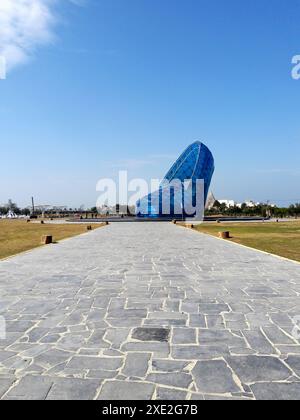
261, 210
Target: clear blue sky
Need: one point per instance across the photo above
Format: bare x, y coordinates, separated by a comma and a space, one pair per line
130, 83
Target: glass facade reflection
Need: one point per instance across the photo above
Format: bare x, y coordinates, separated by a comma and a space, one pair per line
196, 163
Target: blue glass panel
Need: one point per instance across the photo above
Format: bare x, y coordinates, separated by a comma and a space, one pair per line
196, 162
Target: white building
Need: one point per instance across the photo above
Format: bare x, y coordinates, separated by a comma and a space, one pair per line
251, 204
228, 203
11, 215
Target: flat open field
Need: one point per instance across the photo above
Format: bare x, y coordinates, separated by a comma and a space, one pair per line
277, 238
17, 236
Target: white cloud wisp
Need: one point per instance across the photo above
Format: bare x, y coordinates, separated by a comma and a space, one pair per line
25, 25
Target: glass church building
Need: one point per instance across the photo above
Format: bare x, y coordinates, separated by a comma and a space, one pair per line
195, 164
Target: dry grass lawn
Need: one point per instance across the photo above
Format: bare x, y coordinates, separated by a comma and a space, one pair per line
282, 238
17, 236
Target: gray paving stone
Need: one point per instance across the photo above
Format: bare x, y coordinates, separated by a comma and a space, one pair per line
198, 352
281, 319
165, 323
294, 364
57, 369
4, 355
215, 322
95, 363
241, 351
197, 320
113, 353
51, 339
73, 389
225, 398
34, 369
197, 397
173, 305
263, 291
258, 342
18, 326
169, 365
115, 304
117, 390
10, 339
36, 334
20, 347
5, 385
16, 362
213, 308
184, 336
89, 352
34, 350
252, 369
97, 340
30, 388
214, 337
258, 320
124, 322
236, 325
168, 315
214, 377
276, 336
71, 342
158, 349
276, 391
175, 380
288, 350
101, 374
127, 313
52, 358
189, 307
136, 364
116, 336
169, 394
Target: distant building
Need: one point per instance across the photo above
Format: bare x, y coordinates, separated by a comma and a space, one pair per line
248, 203
228, 203
251, 204
11, 215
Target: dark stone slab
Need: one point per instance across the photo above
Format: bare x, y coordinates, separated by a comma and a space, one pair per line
151, 334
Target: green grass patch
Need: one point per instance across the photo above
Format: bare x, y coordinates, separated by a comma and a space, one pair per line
18, 236
282, 239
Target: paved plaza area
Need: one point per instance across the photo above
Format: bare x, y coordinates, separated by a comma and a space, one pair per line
149, 311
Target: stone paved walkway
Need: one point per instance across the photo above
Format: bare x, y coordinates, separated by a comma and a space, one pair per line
148, 311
